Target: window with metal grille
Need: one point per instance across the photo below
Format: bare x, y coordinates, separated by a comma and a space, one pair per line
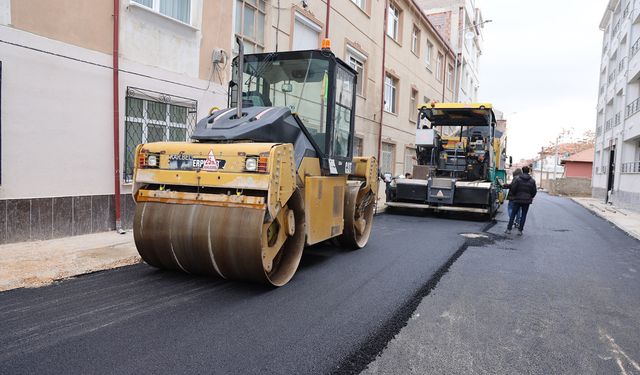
155, 117
387, 156
250, 19
176, 9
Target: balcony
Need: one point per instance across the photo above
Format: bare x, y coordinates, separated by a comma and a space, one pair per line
632, 120
633, 62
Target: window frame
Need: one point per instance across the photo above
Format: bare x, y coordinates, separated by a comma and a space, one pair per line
395, 86
396, 18
413, 106
450, 77
362, 4
439, 66
429, 55
155, 7
392, 153
358, 57
415, 40
256, 45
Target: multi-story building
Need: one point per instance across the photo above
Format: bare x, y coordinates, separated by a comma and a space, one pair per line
63, 169
616, 168
461, 23
61, 164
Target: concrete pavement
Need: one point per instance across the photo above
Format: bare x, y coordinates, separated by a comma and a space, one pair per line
627, 220
33, 264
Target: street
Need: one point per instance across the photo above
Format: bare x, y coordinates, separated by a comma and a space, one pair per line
563, 298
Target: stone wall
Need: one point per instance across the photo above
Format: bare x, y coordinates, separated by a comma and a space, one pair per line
572, 186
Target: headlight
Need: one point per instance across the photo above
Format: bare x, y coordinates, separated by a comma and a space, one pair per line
251, 164
152, 161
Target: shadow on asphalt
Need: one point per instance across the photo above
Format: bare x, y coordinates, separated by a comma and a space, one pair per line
420, 212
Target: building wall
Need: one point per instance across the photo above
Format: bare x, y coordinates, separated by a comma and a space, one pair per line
454, 19
578, 169
57, 107
617, 121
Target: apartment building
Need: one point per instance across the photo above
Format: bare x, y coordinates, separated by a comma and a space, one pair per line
60, 166
58, 102
400, 65
616, 167
461, 23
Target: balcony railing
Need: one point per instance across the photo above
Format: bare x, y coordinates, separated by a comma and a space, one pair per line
616, 28
632, 108
635, 47
598, 129
616, 120
621, 65
625, 13
631, 167
608, 124
612, 76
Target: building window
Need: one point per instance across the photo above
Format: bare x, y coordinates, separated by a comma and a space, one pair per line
387, 156
357, 61
250, 18
413, 110
306, 33
358, 146
390, 93
439, 66
393, 22
415, 40
450, 77
176, 9
154, 117
428, 54
360, 3
410, 159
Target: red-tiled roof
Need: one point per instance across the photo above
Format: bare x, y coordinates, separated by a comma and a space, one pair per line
582, 156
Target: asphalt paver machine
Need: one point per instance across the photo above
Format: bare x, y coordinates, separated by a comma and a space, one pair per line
460, 161
261, 179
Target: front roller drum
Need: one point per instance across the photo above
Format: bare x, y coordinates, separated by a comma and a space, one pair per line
235, 243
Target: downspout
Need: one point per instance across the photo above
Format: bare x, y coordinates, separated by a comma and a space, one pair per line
384, 54
326, 30
116, 114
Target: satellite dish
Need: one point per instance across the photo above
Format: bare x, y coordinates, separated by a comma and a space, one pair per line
469, 35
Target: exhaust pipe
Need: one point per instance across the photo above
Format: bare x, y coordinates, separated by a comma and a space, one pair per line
239, 78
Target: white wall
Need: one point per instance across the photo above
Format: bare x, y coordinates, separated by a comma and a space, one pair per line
5, 12
57, 115
155, 40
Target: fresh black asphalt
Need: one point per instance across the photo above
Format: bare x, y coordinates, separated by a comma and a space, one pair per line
140, 320
562, 299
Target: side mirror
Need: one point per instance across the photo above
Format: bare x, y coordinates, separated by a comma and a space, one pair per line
287, 87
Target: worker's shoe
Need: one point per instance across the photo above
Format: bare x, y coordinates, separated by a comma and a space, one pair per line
507, 231
519, 232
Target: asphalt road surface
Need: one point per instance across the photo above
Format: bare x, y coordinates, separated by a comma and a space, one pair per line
336, 315
562, 299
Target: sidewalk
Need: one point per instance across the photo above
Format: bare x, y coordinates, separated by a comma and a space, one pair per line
33, 264
627, 220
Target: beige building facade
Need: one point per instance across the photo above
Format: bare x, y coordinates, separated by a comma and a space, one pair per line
58, 176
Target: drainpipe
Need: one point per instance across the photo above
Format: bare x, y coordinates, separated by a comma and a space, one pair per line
326, 31
384, 54
116, 114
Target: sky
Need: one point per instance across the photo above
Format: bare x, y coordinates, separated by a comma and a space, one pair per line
540, 66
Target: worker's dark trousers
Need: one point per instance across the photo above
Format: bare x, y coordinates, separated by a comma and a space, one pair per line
523, 208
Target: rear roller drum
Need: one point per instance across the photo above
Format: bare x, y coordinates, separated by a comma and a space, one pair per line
358, 217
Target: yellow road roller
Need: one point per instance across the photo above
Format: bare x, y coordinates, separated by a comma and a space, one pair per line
261, 179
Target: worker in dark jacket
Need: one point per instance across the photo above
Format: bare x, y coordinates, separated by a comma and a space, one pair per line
522, 191
516, 173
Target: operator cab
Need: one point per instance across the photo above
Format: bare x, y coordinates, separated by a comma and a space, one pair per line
316, 87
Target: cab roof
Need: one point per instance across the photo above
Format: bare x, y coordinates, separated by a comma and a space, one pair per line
458, 114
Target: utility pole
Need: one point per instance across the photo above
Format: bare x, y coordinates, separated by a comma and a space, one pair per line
541, 164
